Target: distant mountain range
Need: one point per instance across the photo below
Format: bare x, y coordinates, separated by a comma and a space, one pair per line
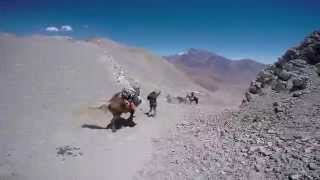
211, 70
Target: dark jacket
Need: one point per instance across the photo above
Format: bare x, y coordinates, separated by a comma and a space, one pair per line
152, 97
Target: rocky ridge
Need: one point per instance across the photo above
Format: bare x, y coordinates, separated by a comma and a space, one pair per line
292, 71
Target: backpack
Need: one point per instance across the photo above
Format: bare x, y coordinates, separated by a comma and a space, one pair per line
131, 96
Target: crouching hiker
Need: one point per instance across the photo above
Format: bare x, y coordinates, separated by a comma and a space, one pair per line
152, 98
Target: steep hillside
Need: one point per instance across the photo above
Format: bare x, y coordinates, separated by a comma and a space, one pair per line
147, 68
274, 135
48, 85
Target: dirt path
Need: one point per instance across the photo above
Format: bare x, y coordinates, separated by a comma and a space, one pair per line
120, 155
98, 153
84, 153
79, 153
184, 147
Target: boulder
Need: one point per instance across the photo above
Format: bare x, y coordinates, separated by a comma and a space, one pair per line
306, 42
312, 53
289, 55
294, 176
279, 86
248, 96
297, 94
300, 63
277, 70
316, 35
284, 75
265, 77
299, 83
318, 68
289, 67
277, 108
279, 63
312, 166
255, 87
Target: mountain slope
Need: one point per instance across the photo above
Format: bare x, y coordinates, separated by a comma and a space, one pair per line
211, 70
47, 87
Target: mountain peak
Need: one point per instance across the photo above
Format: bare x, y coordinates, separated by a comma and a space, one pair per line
197, 51
188, 51
210, 69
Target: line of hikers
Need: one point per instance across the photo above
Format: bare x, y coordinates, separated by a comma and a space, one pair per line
132, 97
126, 101
179, 99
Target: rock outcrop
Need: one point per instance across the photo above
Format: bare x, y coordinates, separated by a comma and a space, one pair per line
284, 118
292, 70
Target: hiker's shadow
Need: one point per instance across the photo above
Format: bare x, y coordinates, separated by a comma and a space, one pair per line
121, 122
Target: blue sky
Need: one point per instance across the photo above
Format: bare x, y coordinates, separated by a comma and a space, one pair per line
260, 30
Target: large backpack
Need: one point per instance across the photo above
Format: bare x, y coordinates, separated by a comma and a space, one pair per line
131, 96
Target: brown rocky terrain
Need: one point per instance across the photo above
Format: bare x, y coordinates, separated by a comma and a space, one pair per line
214, 71
274, 135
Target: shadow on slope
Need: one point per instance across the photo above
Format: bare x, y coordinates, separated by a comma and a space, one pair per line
121, 122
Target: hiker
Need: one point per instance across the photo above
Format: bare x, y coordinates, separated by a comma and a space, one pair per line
152, 98
192, 97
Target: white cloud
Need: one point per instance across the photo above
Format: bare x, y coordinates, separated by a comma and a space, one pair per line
63, 28
182, 53
66, 28
52, 29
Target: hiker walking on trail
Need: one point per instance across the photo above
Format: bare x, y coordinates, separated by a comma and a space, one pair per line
152, 98
192, 98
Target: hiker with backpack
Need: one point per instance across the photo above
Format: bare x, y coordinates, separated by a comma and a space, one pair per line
152, 98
